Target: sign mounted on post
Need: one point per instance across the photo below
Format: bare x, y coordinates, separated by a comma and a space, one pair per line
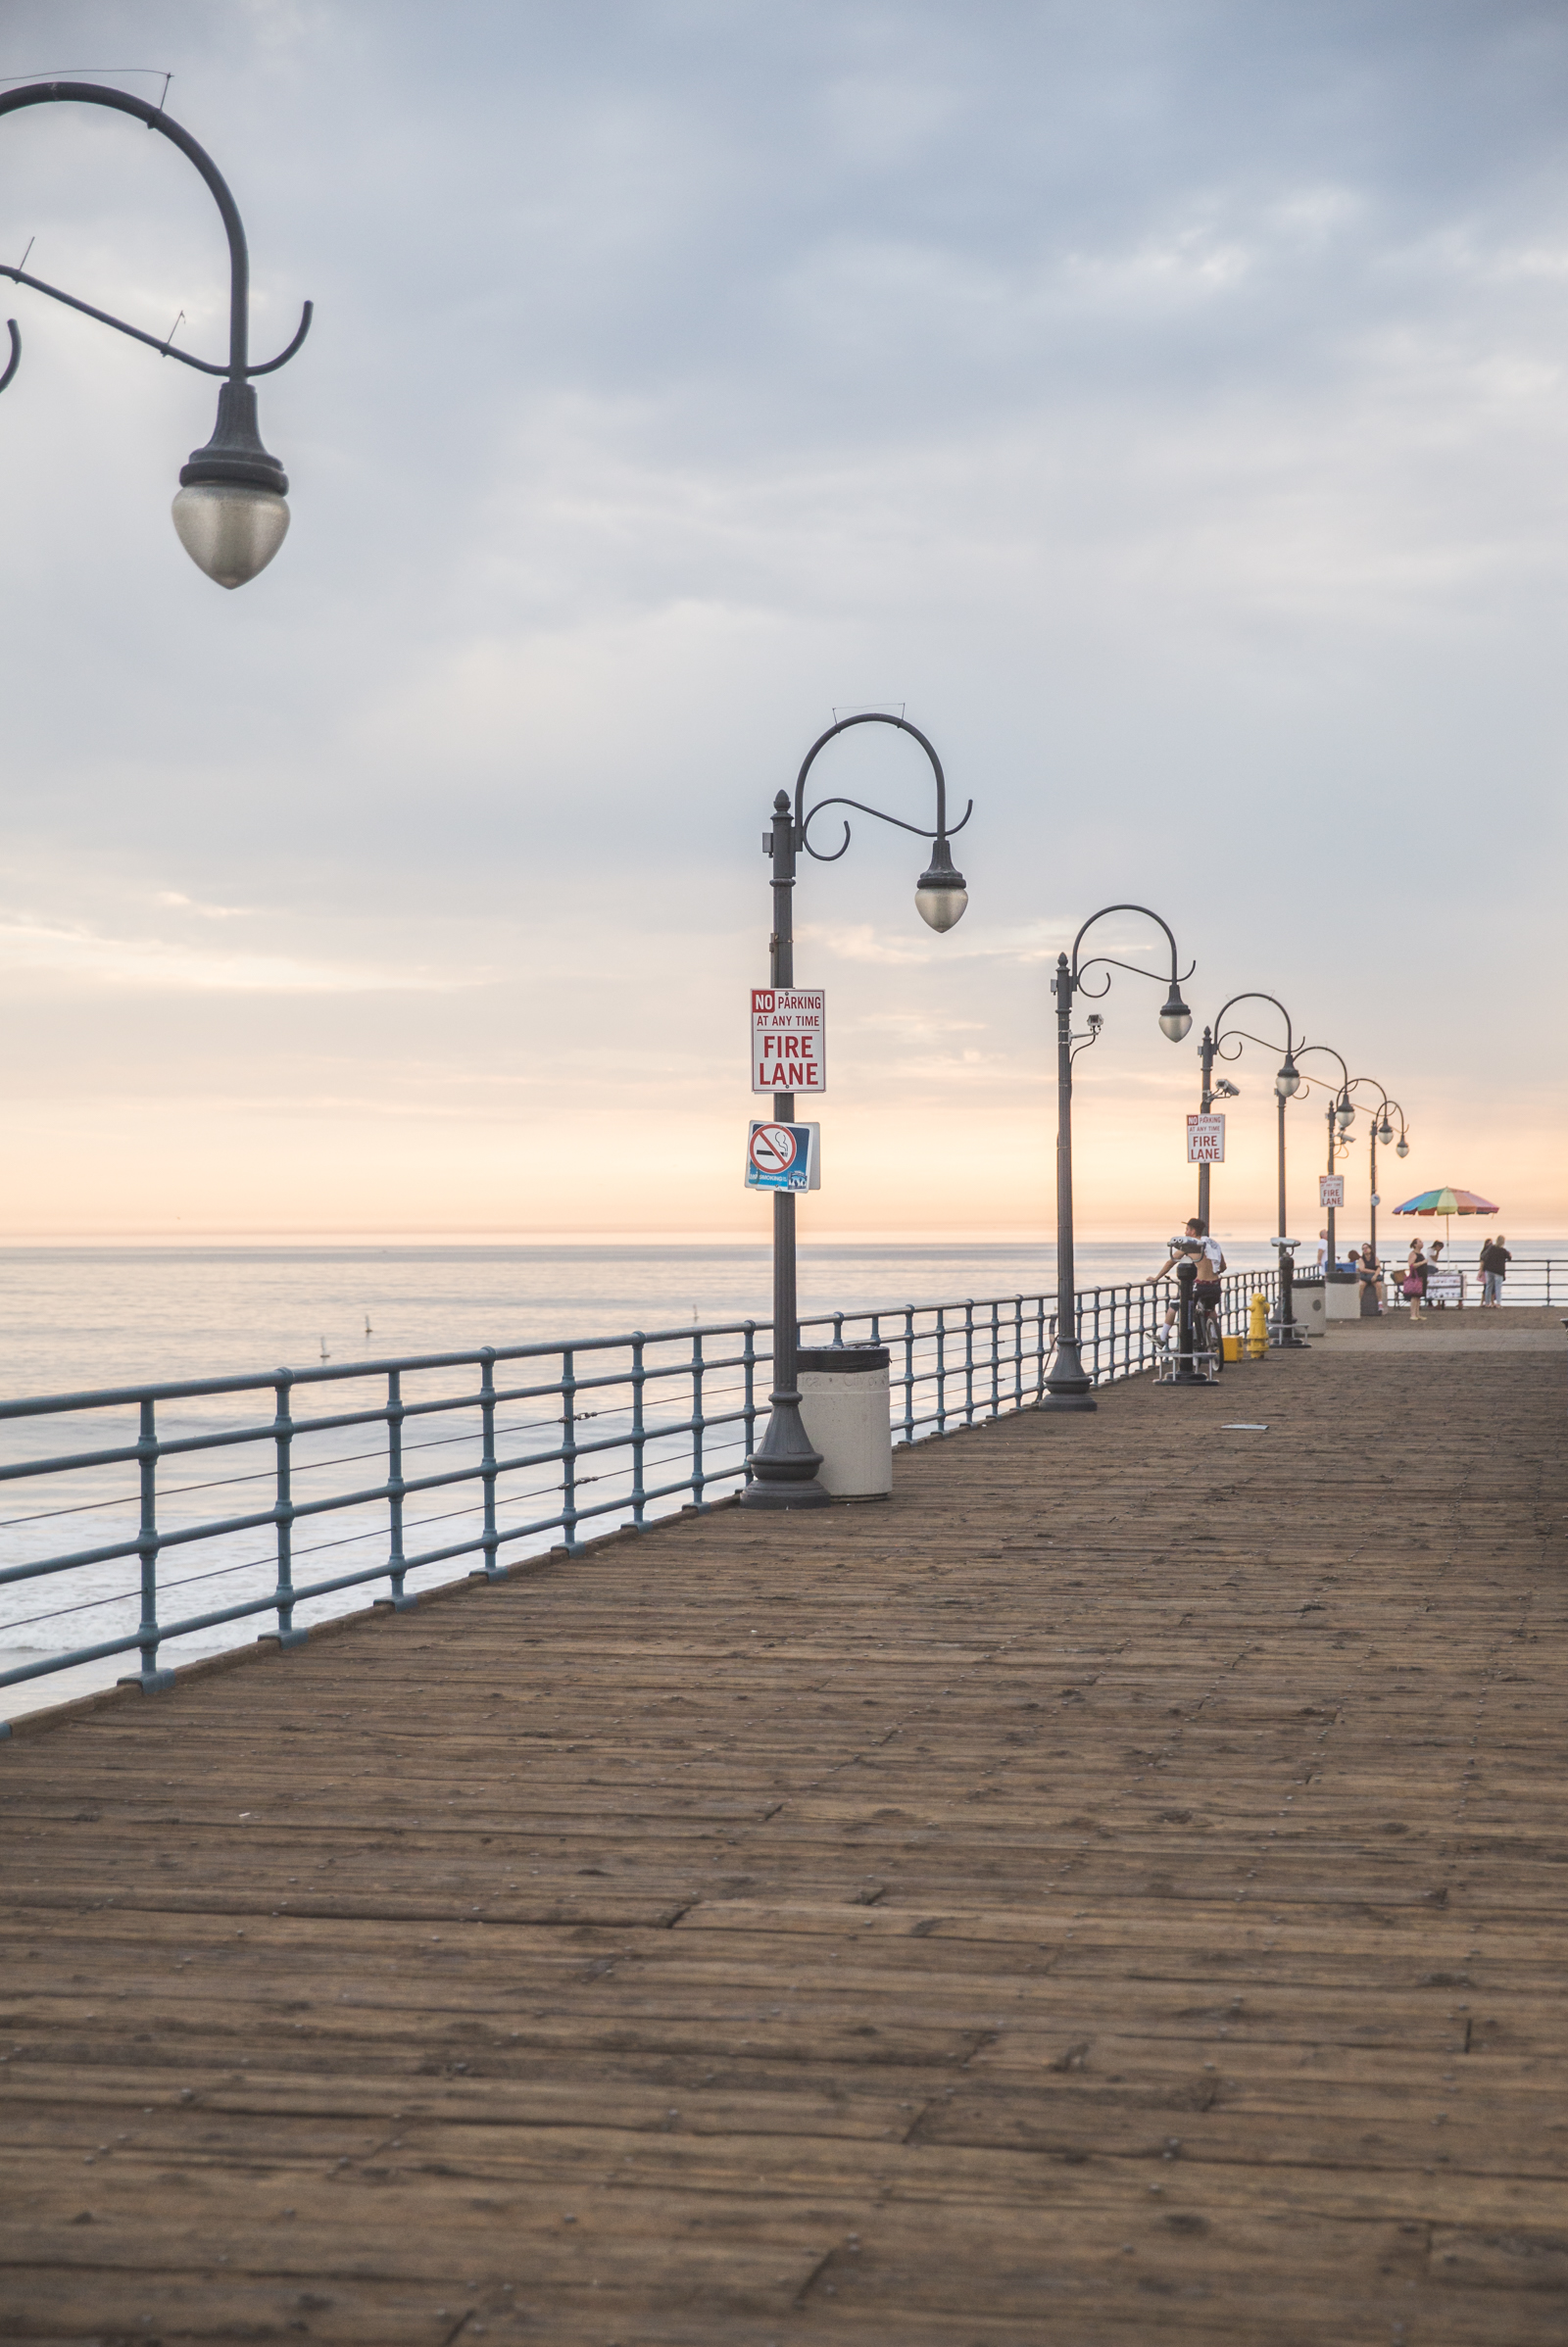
783, 1156
1205, 1141
1330, 1190
789, 1039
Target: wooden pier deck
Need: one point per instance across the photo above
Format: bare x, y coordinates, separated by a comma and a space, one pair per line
1113, 1894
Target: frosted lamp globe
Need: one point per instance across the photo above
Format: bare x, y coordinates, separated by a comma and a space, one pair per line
1175, 1018
229, 529
940, 908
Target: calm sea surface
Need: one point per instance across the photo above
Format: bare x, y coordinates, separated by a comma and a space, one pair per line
83, 1319
74, 1318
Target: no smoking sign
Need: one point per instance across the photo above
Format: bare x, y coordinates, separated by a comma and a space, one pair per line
782, 1156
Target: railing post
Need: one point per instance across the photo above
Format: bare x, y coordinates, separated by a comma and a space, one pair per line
487, 1462
149, 1678
908, 1373
942, 1369
968, 1361
285, 1635
699, 1422
568, 1449
638, 1430
394, 1490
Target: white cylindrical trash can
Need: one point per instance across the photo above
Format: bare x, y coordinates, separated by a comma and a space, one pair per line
843, 1409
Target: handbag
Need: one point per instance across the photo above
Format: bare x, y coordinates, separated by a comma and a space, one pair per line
1411, 1287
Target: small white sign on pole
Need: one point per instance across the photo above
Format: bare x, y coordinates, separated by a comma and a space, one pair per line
1205, 1141
789, 1039
1330, 1190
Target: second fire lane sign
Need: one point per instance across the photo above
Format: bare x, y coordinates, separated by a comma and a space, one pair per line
789, 1039
1205, 1141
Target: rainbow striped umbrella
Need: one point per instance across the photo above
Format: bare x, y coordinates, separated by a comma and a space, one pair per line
1447, 1202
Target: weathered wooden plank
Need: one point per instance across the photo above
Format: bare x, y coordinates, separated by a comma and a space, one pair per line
1087, 1889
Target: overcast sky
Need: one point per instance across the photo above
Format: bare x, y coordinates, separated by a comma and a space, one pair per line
1163, 404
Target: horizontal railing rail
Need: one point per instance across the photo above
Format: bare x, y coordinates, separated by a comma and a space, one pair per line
539, 1441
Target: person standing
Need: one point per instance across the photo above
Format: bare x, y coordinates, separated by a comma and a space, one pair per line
1413, 1286
1495, 1262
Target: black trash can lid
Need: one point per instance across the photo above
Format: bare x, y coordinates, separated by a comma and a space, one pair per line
842, 1360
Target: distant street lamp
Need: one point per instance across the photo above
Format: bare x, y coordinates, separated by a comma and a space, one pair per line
1340, 1114
230, 511
1067, 1388
1286, 1085
784, 1465
1382, 1130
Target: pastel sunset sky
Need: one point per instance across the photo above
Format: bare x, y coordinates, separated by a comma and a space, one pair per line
1163, 403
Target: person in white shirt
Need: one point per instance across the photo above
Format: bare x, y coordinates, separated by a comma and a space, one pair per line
1322, 1250
1206, 1288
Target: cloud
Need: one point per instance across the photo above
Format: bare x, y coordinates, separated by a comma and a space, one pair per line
37, 949
1163, 401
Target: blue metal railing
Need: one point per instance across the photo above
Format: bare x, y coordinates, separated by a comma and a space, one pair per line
627, 1428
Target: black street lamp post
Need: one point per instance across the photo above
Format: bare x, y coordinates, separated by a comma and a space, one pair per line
1286, 1085
1068, 1386
1340, 1114
1209, 1093
1382, 1130
784, 1465
232, 511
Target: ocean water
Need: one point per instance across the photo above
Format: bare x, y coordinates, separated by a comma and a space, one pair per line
78, 1320
73, 1318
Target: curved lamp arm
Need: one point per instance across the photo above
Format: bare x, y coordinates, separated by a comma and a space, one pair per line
1111, 962
804, 821
1252, 995
1385, 1100
237, 367
1310, 1080
1175, 1018
230, 515
15, 360
940, 892
1341, 1114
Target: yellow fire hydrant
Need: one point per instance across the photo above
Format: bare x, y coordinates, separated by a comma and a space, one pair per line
1258, 1329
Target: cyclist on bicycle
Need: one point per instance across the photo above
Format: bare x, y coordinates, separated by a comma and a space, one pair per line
1206, 1288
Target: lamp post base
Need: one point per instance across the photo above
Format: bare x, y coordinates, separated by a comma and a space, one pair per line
760, 1494
1069, 1388
784, 1469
